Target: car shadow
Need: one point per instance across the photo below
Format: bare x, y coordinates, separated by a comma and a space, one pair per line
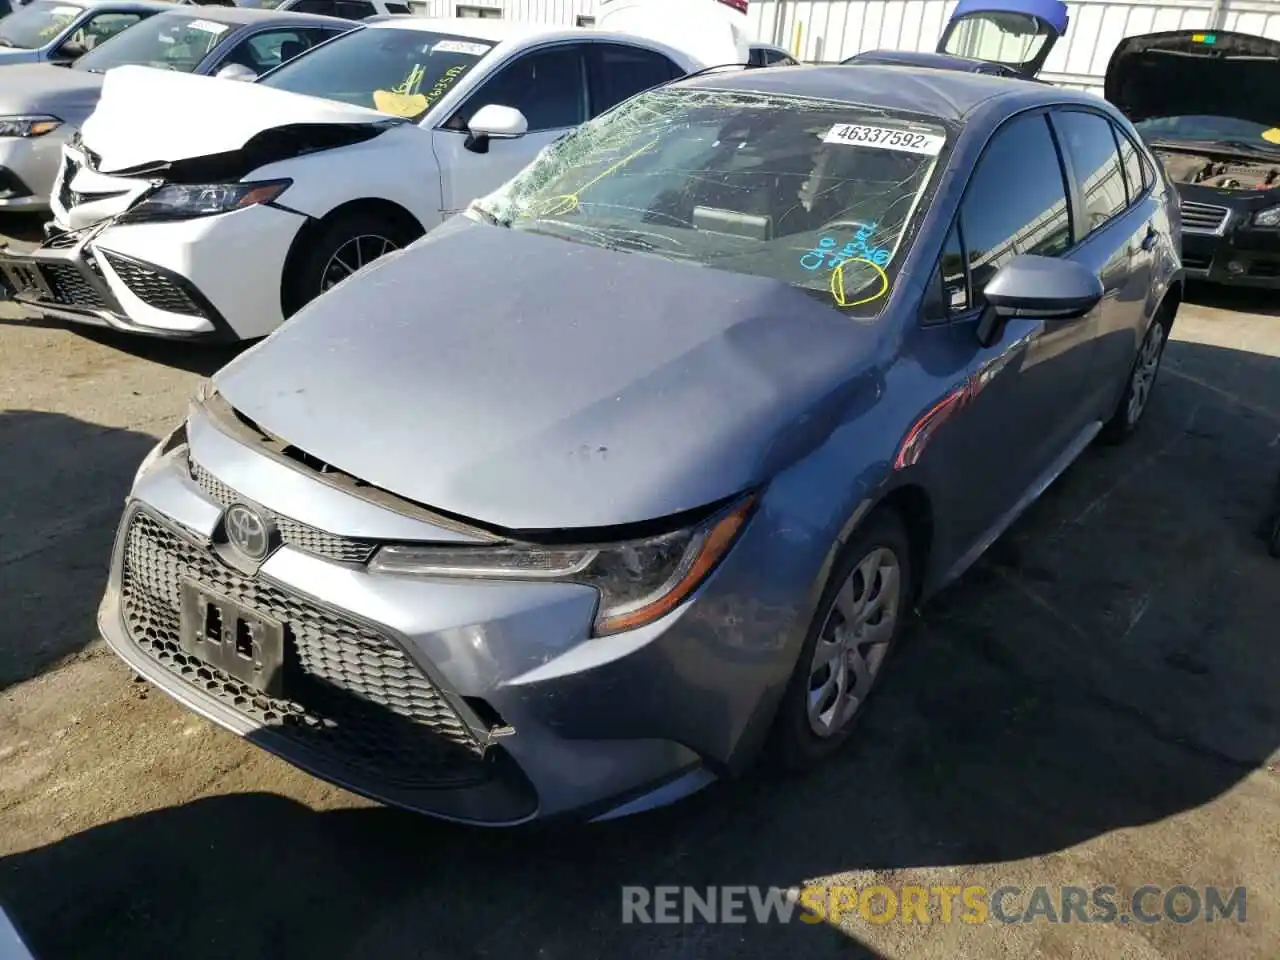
26, 228
1111, 663
62, 485
1241, 299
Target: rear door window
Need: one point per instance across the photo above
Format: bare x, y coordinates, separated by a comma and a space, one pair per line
1095, 161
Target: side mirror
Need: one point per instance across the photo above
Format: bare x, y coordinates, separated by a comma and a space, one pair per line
1041, 287
236, 71
494, 121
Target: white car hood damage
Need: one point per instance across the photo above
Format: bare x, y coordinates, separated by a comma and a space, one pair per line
150, 116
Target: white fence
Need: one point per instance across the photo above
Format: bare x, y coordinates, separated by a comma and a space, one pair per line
835, 29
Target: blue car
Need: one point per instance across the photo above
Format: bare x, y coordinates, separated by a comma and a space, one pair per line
632, 474
1005, 38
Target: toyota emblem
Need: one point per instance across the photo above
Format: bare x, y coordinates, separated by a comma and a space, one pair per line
247, 531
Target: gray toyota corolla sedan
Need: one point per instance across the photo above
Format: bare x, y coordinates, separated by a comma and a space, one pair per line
633, 472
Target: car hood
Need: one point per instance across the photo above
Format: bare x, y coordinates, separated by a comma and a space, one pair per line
31, 87
530, 383
12, 56
151, 116
1189, 73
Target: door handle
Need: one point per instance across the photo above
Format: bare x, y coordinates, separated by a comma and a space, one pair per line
1149, 240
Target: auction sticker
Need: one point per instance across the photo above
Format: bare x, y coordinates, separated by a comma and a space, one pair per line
885, 138
208, 26
461, 46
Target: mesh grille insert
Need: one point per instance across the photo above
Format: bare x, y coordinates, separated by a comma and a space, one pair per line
353, 695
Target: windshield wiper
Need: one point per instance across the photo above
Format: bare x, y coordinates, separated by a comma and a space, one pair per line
486, 215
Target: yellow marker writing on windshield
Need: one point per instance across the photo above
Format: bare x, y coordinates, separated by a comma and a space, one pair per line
1272, 135
569, 202
837, 283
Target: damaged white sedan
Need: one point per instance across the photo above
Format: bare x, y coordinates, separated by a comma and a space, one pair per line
196, 208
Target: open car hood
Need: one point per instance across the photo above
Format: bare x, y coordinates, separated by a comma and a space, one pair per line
713, 32
150, 116
1018, 34
1196, 72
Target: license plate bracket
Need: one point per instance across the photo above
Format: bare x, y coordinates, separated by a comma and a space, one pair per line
233, 638
24, 277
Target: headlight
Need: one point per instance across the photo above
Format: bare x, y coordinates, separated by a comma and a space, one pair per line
638, 580
1269, 217
170, 443
179, 201
28, 126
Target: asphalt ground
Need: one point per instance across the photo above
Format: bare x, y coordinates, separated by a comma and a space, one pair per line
1096, 703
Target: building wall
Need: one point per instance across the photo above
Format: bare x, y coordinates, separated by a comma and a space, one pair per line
836, 29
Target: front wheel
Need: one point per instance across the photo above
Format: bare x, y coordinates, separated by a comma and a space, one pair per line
859, 618
340, 248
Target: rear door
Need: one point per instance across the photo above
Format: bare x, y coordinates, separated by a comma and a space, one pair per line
548, 85
1121, 227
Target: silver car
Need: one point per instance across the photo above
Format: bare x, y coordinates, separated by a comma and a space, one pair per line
42, 106
633, 472
53, 31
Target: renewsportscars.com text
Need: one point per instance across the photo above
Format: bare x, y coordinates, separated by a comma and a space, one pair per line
934, 904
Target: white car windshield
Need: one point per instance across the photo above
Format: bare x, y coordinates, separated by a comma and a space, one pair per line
36, 24
400, 72
171, 41
812, 192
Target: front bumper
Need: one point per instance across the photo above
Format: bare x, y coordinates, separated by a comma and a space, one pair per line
1246, 258
483, 703
215, 278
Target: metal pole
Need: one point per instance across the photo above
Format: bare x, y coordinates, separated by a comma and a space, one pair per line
776, 40
1217, 14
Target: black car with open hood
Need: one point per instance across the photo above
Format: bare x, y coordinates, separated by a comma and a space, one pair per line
1208, 104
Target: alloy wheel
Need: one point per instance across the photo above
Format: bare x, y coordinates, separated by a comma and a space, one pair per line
356, 254
1144, 372
853, 641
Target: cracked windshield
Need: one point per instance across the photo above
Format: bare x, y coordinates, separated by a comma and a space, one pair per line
813, 193
36, 24
400, 72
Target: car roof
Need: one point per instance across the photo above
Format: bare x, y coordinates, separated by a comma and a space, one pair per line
481, 28
950, 95
156, 6
240, 16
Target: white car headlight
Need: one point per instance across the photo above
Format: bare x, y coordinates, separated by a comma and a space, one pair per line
181, 201
36, 126
1269, 217
639, 580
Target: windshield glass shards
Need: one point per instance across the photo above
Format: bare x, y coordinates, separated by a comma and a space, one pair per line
817, 194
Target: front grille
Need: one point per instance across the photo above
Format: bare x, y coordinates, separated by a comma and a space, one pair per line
1203, 217
1265, 269
353, 695
298, 535
70, 287
153, 288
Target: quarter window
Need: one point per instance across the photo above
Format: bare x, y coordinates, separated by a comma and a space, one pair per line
546, 86
619, 72
1099, 176
1016, 201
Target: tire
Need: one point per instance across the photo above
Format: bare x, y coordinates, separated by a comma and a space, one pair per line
352, 240
802, 738
1137, 390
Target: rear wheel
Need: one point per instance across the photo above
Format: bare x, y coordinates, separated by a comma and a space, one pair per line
340, 248
858, 620
1137, 392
